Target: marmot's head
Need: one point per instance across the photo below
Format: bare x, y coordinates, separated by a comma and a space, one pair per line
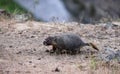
50, 41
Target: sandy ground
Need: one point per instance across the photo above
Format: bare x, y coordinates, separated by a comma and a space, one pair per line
22, 50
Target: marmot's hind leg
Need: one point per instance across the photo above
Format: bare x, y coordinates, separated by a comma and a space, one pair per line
76, 51
73, 51
60, 51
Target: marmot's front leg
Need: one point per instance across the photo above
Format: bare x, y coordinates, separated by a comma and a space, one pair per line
74, 51
53, 49
59, 51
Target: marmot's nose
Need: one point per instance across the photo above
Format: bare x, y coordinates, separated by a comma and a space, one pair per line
44, 43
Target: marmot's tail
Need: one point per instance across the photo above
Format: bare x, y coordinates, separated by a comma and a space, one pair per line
94, 46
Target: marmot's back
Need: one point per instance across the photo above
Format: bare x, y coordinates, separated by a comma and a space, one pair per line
69, 41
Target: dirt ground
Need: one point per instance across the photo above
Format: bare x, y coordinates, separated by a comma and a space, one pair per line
22, 50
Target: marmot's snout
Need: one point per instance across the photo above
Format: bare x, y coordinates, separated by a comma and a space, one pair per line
44, 43
48, 41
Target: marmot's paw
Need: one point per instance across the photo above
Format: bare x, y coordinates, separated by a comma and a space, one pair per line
47, 50
50, 51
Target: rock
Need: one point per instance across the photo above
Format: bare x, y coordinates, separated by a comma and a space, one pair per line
69, 10
118, 55
46, 10
109, 54
21, 17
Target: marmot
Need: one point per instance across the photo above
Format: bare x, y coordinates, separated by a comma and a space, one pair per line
68, 41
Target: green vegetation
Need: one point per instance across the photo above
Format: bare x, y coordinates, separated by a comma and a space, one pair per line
11, 6
93, 64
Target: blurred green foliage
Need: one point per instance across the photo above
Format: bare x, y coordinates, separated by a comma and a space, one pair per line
11, 6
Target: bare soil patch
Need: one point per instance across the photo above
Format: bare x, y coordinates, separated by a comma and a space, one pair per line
22, 50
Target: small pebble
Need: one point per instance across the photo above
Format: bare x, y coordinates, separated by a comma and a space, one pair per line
47, 51
118, 62
34, 49
19, 52
86, 56
34, 66
30, 61
20, 63
10, 46
20, 33
32, 36
39, 58
57, 70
